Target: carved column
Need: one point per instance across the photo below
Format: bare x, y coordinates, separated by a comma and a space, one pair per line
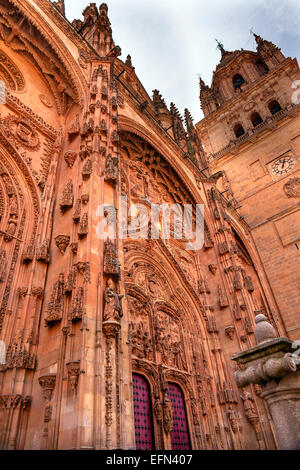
274, 365
110, 330
47, 382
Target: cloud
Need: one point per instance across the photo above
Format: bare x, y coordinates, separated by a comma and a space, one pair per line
171, 41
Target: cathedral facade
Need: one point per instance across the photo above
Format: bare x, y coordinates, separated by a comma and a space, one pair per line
125, 342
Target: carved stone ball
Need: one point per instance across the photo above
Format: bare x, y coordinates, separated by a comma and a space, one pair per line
264, 331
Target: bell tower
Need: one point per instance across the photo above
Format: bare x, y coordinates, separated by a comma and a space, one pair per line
251, 133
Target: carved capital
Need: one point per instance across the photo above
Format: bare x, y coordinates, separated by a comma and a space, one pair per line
62, 243
47, 382
111, 328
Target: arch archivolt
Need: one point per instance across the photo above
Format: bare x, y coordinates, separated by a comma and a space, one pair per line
138, 133
162, 316
11, 74
41, 45
19, 215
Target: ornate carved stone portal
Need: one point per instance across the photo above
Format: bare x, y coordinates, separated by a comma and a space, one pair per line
102, 316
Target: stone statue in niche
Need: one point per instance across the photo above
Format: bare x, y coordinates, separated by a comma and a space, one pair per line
158, 411
10, 230
13, 206
113, 307
249, 405
3, 265
168, 415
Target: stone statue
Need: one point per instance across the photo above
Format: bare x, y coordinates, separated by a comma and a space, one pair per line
168, 415
113, 307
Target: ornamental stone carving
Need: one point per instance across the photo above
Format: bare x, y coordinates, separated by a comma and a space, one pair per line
292, 188
167, 414
62, 243
55, 307
47, 382
67, 197
42, 253
73, 373
70, 158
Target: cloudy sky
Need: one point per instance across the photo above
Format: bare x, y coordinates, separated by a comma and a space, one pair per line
171, 41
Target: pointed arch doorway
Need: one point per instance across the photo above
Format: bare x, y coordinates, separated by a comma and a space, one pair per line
142, 413
180, 433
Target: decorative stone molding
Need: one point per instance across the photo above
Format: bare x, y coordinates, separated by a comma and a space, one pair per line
15, 401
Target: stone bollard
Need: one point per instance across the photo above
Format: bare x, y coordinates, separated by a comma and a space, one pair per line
274, 365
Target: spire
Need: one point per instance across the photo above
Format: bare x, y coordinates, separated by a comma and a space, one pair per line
158, 102
178, 128
96, 29
203, 86
60, 5
194, 145
258, 38
268, 51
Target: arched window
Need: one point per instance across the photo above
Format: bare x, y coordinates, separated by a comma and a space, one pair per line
180, 433
239, 130
274, 107
262, 67
256, 119
238, 81
142, 413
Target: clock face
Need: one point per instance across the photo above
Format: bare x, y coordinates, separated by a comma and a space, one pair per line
282, 166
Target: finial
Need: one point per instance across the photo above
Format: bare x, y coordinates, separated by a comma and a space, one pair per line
258, 38
220, 46
263, 331
202, 82
128, 61
103, 7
